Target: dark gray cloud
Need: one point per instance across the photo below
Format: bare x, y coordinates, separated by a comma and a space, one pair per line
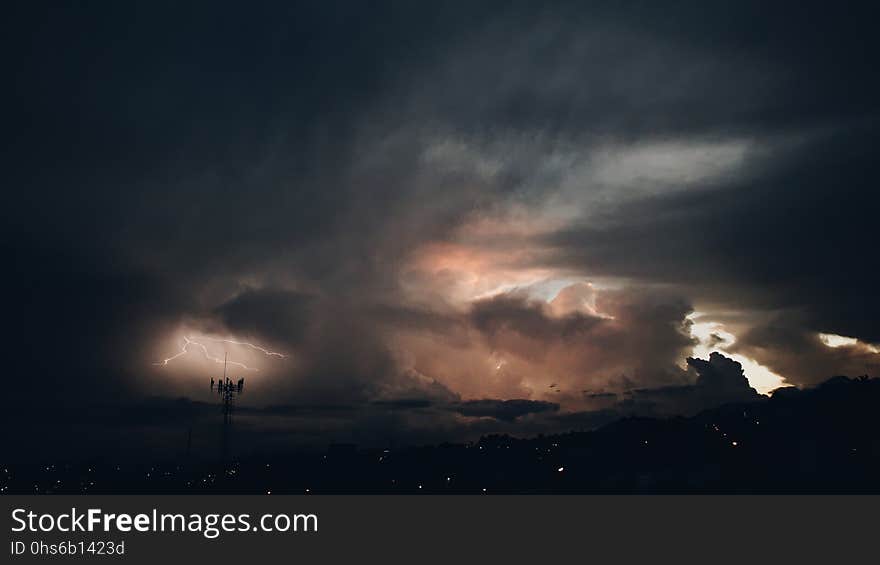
784, 344
790, 239
507, 410
276, 314
718, 380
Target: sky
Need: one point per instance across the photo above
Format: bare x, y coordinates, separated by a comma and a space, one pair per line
410, 222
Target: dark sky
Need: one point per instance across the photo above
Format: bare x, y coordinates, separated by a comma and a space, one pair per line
451, 219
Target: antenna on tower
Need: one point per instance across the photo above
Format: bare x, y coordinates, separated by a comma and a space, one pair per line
227, 391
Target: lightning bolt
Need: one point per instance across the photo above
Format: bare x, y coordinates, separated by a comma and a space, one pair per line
187, 342
251, 345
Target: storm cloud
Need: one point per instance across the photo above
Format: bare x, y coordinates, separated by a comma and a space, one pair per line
442, 216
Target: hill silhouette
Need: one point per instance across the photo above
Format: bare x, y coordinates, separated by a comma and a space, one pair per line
820, 440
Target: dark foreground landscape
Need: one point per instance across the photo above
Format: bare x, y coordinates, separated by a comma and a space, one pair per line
821, 440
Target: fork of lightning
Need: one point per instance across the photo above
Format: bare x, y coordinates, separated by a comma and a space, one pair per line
187, 342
